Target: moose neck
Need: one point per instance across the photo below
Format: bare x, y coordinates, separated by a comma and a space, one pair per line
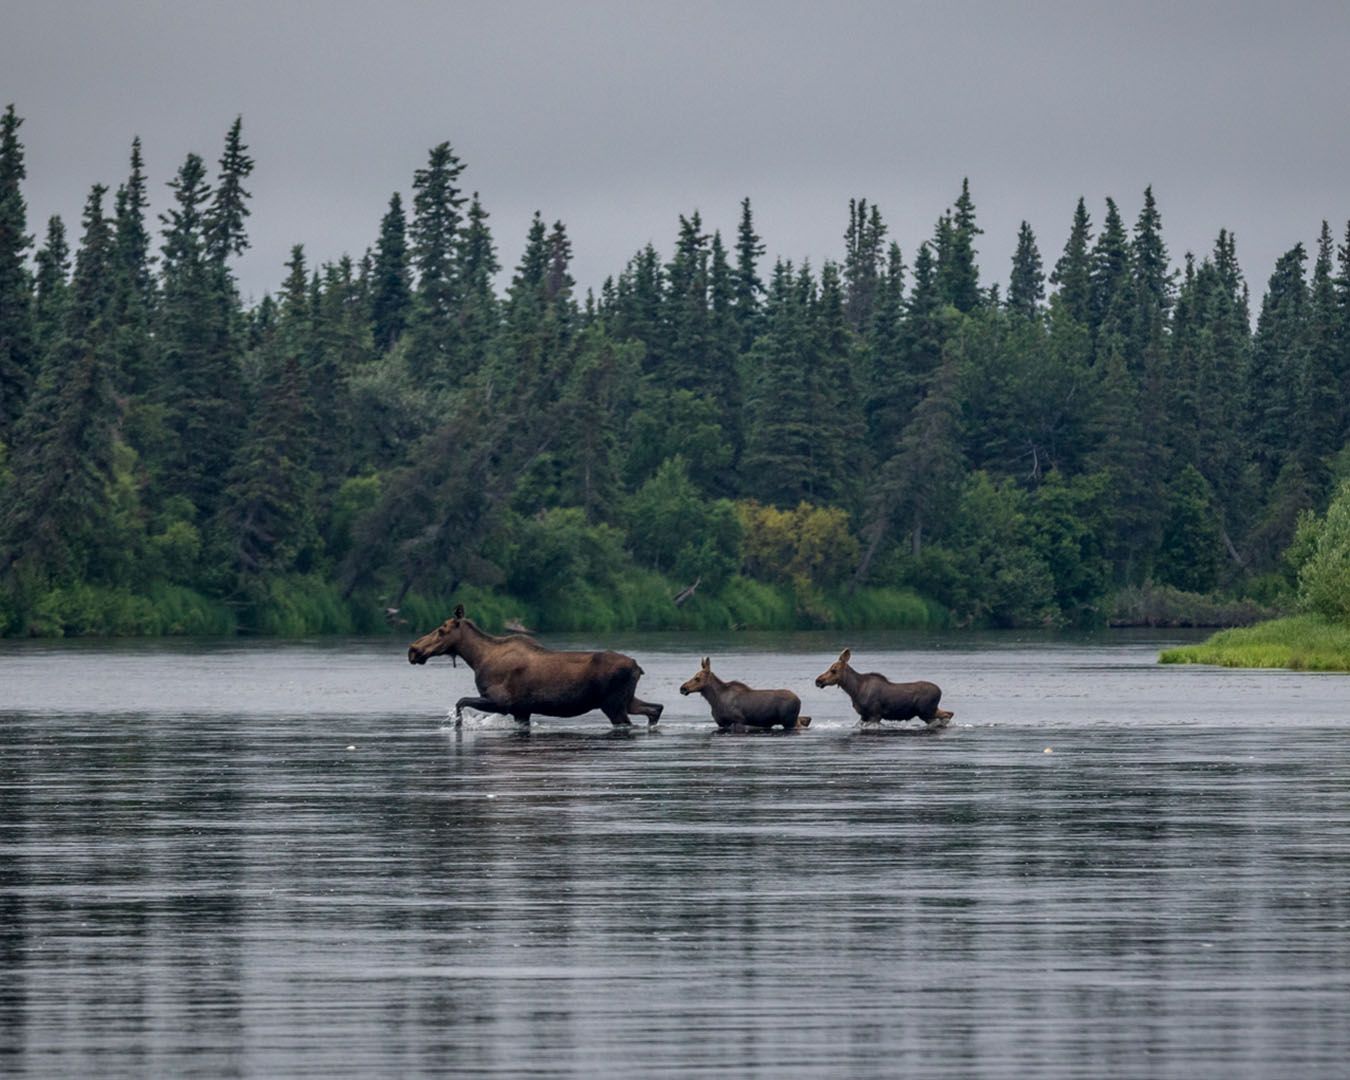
849, 681
474, 644
713, 689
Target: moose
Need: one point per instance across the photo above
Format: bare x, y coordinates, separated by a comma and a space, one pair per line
518, 677
736, 707
876, 698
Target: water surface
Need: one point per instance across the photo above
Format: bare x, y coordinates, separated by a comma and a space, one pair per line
281, 859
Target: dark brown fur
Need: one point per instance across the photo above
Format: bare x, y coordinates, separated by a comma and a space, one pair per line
518, 677
735, 706
876, 698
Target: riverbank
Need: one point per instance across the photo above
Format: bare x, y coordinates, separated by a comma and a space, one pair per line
1298, 643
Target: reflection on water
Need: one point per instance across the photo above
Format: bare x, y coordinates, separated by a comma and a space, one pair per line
273, 862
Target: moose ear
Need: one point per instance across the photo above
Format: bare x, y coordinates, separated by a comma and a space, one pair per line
844, 656
707, 663
459, 611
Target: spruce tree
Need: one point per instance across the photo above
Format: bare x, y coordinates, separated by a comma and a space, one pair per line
1152, 271
135, 279
780, 423
199, 384
959, 276
748, 286
685, 312
391, 286
223, 223
17, 350
864, 254
52, 286
638, 300
56, 521
1342, 284
267, 523
133, 237
1321, 410
1073, 271
1278, 356
1110, 305
477, 265
1026, 287
435, 239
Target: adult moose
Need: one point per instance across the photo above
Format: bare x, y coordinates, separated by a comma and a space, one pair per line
518, 677
736, 707
876, 698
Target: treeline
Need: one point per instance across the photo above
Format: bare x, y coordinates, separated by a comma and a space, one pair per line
801, 445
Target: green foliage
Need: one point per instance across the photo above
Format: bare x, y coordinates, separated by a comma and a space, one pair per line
1324, 573
674, 528
1190, 555
808, 547
988, 571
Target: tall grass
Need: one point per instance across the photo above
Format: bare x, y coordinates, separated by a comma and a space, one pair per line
102, 611
308, 606
1299, 643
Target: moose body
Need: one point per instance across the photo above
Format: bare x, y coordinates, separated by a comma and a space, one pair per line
518, 677
876, 698
736, 706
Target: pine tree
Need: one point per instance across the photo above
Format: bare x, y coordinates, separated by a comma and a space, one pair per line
199, 383
924, 328
1278, 355
52, 285
133, 238
558, 281
341, 349
223, 224
958, 275
267, 523
17, 350
56, 518
638, 302
1073, 271
777, 466
435, 240
1110, 305
1222, 339
1152, 271
1321, 410
841, 443
685, 312
864, 241
135, 279
391, 287
1343, 315
1026, 287
747, 284
477, 265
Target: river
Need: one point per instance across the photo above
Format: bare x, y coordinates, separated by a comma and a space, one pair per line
280, 859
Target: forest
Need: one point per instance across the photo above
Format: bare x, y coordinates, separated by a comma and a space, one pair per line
709, 440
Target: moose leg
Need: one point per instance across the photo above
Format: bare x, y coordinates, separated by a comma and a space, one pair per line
522, 718
480, 704
617, 716
644, 708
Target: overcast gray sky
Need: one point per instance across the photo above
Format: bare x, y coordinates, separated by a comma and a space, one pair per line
617, 117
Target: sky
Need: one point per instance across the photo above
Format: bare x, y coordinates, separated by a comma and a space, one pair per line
618, 117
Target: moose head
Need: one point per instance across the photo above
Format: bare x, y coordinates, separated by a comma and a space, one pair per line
700, 680
444, 640
835, 672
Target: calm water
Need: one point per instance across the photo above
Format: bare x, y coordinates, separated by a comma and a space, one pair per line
279, 860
